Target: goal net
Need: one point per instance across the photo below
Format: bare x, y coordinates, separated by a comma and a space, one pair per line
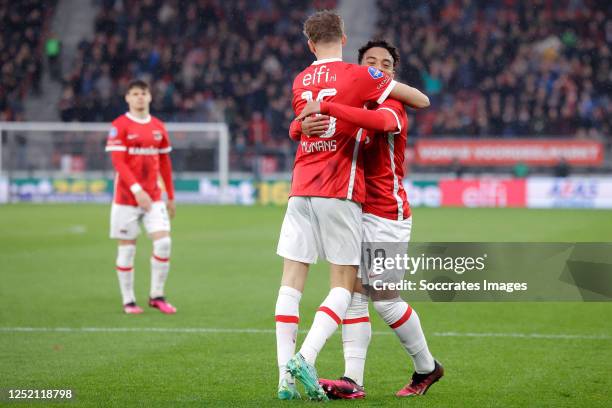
66, 162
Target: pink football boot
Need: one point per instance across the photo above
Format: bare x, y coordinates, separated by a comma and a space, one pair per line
132, 308
344, 388
163, 306
420, 383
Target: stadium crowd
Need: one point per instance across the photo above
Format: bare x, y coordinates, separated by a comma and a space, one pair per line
208, 60
23, 24
491, 68
506, 67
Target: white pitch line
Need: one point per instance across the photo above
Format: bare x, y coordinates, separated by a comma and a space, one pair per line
204, 330
527, 335
134, 329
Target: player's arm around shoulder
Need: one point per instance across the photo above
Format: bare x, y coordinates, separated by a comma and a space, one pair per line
379, 120
372, 84
395, 115
410, 96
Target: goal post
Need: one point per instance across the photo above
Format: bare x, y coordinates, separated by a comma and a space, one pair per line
76, 150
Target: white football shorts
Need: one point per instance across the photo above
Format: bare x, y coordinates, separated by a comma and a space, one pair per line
125, 220
329, 228
386, 238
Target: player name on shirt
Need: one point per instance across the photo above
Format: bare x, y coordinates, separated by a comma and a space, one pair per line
318, 146
331, 165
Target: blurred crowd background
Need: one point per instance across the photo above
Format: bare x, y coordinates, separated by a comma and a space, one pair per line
506, 68
501, 68
22, 38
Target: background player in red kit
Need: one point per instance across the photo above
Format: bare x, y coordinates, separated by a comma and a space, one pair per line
386, 218
140, 147
323, 217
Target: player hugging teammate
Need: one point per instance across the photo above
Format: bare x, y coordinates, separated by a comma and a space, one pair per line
140, 147
331, 210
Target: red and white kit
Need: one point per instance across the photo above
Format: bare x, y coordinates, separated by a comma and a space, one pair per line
139, 149
386, 213
387, 225
323, 217
384, 166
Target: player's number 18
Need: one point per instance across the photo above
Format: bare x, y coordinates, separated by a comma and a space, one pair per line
323, 93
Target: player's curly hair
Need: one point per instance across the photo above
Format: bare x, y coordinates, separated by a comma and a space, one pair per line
382, 44
324, 26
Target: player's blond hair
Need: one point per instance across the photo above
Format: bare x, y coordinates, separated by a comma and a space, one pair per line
324, 26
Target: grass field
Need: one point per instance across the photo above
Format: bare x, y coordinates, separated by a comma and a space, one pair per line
57, 271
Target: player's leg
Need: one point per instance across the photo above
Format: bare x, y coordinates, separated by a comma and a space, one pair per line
157, 224
338, 233
326, 321
126, 251
287, 317
398, 314
298, 248
124, 227
356, 335
331, 312
405, 322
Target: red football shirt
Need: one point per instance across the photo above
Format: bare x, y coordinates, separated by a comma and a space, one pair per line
143, 141
332, 165
384, 168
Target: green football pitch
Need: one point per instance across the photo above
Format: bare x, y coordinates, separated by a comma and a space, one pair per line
61, 325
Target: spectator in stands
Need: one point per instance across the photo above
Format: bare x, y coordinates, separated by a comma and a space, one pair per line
502, 68
23, 24
53, 48
539, 67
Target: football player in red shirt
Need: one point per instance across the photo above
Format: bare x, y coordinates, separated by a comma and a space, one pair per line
140, 147
323, 217
386, 219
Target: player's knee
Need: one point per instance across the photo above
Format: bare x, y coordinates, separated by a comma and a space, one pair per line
381, 306
389, 310
358, 307
359, 288
385, 294
294, 274
161, 247
125, 255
